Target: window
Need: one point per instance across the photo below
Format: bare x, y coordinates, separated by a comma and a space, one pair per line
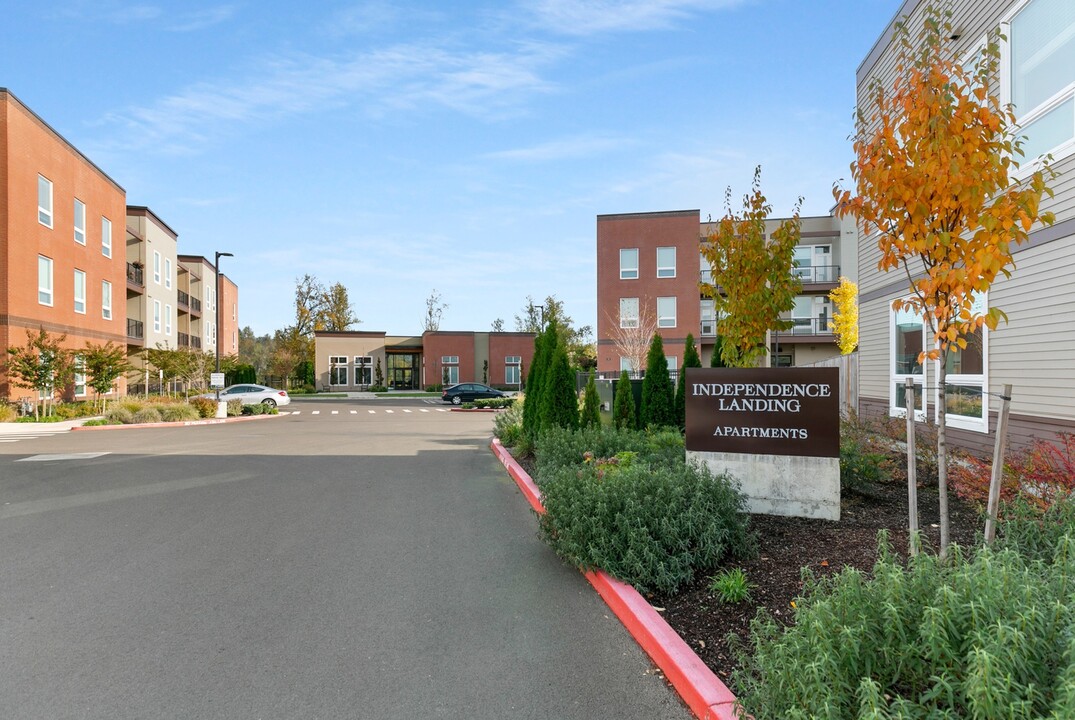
106, 300
811, 314
106, 237
167, 319
234, 311
80, 222
965, 401
908, 341
709, 318
705, 270
80, 292
666, 312
44, 201
812, 264
337, 369
628, 312
626, 364
513, 369
80, 376
363, 370
44, 280
156, 267
629, 264
449, 369
1041, 75
168, 273
156, 316
666, 262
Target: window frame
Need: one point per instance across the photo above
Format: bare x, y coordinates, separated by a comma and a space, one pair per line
156, 316
1027, 117
168, 273
106, 300
626, 270
337, 370
626, 320
79, 293
106, 237
79, 229
668, 270
50, 289
898, 379
79, 378
702, 317
667, 321
167, 319
157, 267
513, 369
45, 215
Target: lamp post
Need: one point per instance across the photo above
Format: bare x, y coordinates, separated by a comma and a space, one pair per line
221, 407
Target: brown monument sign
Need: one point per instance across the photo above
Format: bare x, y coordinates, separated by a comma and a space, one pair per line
764, 411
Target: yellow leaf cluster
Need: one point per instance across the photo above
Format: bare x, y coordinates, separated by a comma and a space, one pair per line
845, 318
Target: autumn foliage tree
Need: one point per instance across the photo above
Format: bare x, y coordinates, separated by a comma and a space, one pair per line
752, 279
845, 316
934, 161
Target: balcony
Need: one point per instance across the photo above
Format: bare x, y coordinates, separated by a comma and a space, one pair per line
195, 342
136, 277
135, 330
183, 340
195, 305
809, 329
184, 300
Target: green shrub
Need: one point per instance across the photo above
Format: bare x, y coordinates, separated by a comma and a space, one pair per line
508, 425
731, 586
146, 415
559, 448
494, 403
7, 413
259, 409
377, 388
559, 400
656, 528
178, 412
658, 395
1032, 531
205, 407
235, 407
591, 406
859, 468
624, 415
120, 415
990, 637
96, 421
434, 388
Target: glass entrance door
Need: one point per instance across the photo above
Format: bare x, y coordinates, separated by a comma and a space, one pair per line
403, 371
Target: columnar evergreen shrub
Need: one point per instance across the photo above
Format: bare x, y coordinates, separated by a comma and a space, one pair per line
690, 359
658, 397
655, 527
559, 403
544, 347
715, 360
624, 415
989, 637
591, 406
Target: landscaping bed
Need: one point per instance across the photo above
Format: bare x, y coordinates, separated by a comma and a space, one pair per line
785, 545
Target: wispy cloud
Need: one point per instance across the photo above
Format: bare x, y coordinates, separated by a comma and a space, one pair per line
489, 85
121, 13
588, 17
200, 19
563, 149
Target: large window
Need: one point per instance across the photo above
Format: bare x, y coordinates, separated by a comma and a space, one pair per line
513, 369
705, 270
44, 201
810, 315
80, 376
168, 272
44, 280
629, 264
167, 319
666, 312
666, 262
80, 222
908, 342
337, 365
156, 267
812, 264
80, 292
363, 370
156, 316
106, 300
628, 312
106, 237
1041, 75
449, 369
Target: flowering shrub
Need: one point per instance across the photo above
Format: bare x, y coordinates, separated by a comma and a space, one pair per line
1039, 472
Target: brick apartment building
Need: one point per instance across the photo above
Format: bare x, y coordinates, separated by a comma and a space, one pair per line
650, 264
62, 267
348, 360
61, 217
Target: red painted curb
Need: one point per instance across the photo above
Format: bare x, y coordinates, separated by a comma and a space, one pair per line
181, 423
702, 691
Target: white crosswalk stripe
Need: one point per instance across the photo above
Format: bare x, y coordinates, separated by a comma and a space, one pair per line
354, 412
29, 433
335, 412
316, 412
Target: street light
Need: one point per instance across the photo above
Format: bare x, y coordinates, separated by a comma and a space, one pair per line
216, 328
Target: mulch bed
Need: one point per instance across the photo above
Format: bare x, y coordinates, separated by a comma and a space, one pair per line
787, 544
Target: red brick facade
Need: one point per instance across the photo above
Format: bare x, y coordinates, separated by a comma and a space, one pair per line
30, 149
473, 350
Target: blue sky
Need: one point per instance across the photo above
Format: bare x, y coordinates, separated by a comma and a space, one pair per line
399, 147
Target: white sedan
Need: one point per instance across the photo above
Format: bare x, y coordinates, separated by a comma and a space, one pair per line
253, 394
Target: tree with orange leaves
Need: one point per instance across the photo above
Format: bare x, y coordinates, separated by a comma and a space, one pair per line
934, 172
752, 279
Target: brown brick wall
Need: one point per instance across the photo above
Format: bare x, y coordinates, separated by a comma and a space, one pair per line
438, 344
501, 345
28, 147
229, 316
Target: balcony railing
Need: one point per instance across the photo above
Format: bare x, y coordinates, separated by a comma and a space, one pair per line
196, 305
809, 326
183, 339
184, 299
136, 274
135, 329
818, 273
195, 342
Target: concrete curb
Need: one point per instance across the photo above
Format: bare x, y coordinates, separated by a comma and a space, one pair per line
182, 423
702, 691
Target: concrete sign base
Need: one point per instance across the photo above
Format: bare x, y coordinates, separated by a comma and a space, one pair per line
781, 484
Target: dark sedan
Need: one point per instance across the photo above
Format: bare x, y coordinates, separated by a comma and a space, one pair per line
469, 392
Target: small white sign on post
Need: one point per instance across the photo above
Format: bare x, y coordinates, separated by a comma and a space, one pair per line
216, 380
